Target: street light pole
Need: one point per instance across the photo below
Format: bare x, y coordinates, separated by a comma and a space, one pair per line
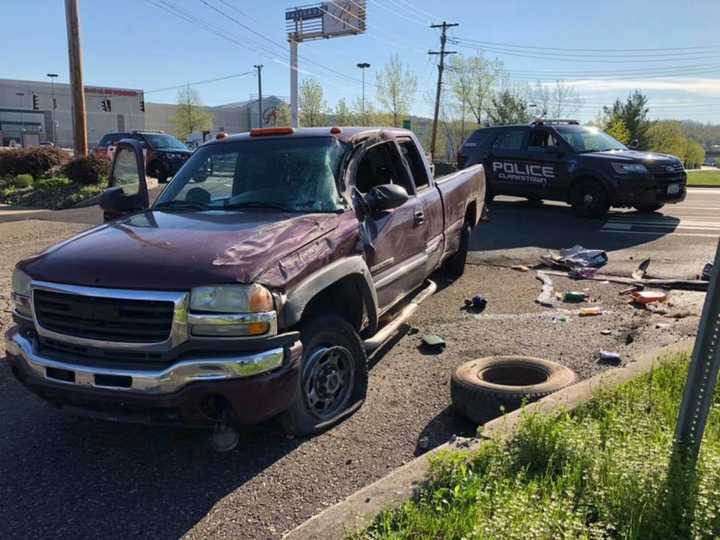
260, 107
52, 77
363, 66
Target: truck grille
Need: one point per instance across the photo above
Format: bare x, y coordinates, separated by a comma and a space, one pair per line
667, 172
108, 319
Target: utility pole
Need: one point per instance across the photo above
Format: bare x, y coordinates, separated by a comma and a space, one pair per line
260, 107
52, 77
77, 87
363, 66
294, 80
441, 67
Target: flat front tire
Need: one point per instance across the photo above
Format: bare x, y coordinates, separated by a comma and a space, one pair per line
333, 376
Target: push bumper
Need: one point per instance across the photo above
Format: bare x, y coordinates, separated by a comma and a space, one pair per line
256, 385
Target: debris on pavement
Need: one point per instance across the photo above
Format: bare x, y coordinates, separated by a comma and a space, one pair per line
575, 296
582, 273
610, 358
576, 257
606, 332
433, 343
423, 442
648, 297
641, 272
630, 290
520, 268
546, 297
663, 326
477, 303
590, 311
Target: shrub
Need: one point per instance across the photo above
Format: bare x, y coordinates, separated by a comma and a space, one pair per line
23, 181
34, 161
86, 170
52, 183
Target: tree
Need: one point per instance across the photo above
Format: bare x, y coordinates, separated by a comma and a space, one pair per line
508, 108
343, 115
190, 116
616, 128
667, 138
395, 89
633, 112
311, 103
554, 101
473, 81
694, 155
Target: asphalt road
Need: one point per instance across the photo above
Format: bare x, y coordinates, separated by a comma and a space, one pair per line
66, 477
679, 238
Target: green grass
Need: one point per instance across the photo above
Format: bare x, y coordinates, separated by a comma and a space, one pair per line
55, 193
601, 471
704, 177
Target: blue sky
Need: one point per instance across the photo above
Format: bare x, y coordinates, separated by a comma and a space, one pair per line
140, 44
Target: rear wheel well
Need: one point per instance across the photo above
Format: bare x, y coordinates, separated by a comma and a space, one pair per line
343, 298
471, 214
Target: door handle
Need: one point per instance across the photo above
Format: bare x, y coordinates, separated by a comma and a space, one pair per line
419, 217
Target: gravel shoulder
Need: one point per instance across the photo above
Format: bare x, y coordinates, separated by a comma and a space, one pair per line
72, 477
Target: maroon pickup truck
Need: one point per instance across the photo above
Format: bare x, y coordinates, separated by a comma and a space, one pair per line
258, 282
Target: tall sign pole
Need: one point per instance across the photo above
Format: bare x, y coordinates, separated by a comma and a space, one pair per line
441, 68
294, 82
76, 78
703, 373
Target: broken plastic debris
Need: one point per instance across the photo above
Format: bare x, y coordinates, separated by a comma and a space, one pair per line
582, 273
706, 271
546, 296
433, 342
590, 311
520, 268
575, 296
576, 257
641, 271
606, 332
648, 297
612, 358
477, 303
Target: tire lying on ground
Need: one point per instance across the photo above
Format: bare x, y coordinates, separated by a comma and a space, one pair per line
479, 388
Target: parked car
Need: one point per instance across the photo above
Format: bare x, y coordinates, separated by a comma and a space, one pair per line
256, 285
164, 154
564, 161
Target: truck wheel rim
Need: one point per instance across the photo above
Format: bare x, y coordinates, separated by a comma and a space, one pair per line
328, 381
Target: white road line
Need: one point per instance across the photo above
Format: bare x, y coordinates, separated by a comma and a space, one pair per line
657, 233
674, 224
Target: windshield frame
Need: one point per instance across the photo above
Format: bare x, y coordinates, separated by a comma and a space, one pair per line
614, 144
184, 176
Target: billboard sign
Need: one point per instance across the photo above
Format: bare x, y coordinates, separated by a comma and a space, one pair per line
343, 17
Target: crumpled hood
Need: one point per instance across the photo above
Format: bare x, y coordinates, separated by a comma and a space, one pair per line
635, 156
178, 251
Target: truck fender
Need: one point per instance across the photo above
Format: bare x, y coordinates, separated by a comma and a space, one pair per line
317, 282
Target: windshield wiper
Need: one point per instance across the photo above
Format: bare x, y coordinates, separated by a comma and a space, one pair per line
256, 204
180, 205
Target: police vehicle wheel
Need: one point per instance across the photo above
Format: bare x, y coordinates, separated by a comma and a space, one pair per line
648, 208
590, 199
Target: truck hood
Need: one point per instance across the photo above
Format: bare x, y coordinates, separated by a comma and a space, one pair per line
634, 156
177, 251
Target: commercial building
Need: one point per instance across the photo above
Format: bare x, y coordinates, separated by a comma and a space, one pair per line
26, 112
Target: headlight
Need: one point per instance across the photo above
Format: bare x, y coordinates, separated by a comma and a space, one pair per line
21, 293
231, 299
629, 168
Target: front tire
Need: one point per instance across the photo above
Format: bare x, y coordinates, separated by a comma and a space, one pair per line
648, 208
333, 376
590, 199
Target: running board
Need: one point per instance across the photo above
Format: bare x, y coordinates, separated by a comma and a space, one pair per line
386, 332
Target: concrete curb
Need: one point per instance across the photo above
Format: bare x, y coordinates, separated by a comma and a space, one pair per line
359, 509
717, 186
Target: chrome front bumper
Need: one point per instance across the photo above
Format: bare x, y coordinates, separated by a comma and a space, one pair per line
153, 382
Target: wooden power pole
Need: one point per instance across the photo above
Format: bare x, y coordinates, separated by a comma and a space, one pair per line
441, 67
77, 87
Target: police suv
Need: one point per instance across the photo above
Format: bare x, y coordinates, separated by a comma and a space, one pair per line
564, 161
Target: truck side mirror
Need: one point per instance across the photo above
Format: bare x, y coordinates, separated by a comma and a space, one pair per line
128, 190
634, 144
386, 197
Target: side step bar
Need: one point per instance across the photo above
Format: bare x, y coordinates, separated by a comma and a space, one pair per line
386, 332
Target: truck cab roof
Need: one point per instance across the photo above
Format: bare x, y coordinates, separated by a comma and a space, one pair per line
350, 135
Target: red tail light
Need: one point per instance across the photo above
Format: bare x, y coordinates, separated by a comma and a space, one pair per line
267, 132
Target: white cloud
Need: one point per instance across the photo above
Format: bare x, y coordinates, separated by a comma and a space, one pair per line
706, 87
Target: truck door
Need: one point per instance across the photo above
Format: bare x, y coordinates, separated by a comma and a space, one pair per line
394, 239
506, 163
547, 156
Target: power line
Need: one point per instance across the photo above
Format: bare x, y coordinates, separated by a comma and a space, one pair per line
195, 83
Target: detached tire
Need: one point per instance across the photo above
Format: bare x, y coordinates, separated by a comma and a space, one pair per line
454, 266
590, 199
333, 376
487, 384
649, 208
